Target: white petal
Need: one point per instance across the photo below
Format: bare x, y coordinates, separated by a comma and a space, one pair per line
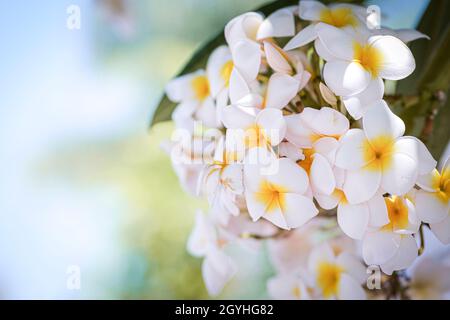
202, 236
328, 121
277, 218
297, 132
310, 10
290, 176
405, 256
442, 230
380, 246
272, 122
327, 147
321, 175
217, 270
350, 155
408, 35
327, 202
357, 104
299, 210
241, 27
322, 51
305, 36
400, 176
236, 118
345, 78
429, 181
281, 89
180, 89
350, 289
352, 266
290, 151
321, 253
430, 207
238, 87
216, 61
415, 149
247, 58
275, 59
207, 114
378, 211
397, 61
336, 41
353, 219
278, 24
379, 120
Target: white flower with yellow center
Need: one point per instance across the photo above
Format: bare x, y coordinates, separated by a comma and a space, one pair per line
433, 201
288, 287
354, 62
337, 276
192, 92
244, 34
204, 241
345, 16
392, 246
223, 183
305, 128
379, 156
277, 195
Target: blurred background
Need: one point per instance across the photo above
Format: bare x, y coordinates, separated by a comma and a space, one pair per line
84, 184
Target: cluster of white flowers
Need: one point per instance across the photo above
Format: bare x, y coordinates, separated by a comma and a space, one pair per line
274, 135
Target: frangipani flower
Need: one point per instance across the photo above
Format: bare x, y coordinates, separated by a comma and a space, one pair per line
392, 246
378, 156
244, 33
310, 125
217, 267
429, 280
192, 91
223, 183
279, 195
433, 201
344, 16
352, 63
219, 70
288, 287
337, 276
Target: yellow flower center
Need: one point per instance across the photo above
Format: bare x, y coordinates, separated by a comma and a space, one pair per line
307, 162
368, 57
398, 214
339, 17
272, 196
441, 183
328, 277
200, 86
296, 292
255, 136
378, 152
225, 71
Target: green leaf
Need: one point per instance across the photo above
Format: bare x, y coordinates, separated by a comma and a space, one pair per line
165, 106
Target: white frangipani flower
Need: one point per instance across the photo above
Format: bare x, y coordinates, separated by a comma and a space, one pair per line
392, 246
245, 32
345, 16
433, 201
193, 93
288, 287
429, 280
337, 276
277, 196
223, 182
379, 156
204, 241
353, 63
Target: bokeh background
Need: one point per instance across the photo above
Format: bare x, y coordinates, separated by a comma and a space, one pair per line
83, 182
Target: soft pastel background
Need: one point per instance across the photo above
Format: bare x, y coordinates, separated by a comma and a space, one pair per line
82, 180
